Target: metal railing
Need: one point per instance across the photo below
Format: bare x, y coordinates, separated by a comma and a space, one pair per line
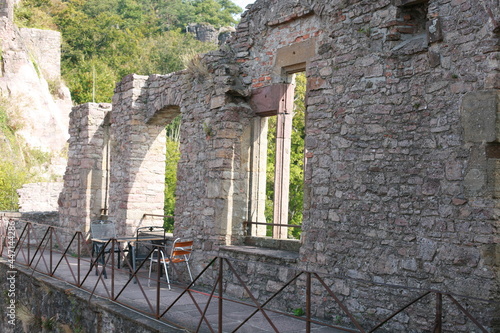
42, 251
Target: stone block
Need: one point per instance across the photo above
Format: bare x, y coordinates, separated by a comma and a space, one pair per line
404, 3
434, 31
479, 116
296, 54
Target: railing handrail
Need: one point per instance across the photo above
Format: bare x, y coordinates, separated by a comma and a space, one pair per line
47, 241
245, 223
158, 215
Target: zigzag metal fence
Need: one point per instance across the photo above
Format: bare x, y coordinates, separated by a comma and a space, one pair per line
42, 251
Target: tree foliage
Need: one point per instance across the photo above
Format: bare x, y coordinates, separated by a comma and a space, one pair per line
17, 160
104, 40
172, 159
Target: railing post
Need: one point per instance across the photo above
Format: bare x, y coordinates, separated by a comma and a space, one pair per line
113, 243
28, 229
308, 303
50, 249
221, 271
158, 271
78, 252
439, 313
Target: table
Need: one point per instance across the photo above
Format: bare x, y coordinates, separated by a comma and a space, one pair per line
131, 246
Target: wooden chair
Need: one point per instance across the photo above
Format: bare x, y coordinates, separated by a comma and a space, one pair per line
181, 252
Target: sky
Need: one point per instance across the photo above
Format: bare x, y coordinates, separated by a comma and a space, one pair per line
243, 3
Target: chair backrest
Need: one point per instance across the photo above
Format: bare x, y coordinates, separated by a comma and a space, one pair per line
103, 229
181, 250
145, 232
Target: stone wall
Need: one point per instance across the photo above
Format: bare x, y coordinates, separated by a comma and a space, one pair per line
30, 81
401, 146
83, 198
6, 9
45, 47
137, 178
203, 32
39, 197
44, 304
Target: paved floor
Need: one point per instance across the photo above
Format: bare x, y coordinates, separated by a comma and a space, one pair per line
177, 307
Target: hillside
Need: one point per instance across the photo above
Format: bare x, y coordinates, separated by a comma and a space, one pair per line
34, 108
105, 40
88, 46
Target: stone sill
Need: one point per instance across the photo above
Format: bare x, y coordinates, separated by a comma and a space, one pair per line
291, 245
262, 253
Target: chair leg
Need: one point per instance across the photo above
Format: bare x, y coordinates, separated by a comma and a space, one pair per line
101, 258
164, 267
150, 266
189, 271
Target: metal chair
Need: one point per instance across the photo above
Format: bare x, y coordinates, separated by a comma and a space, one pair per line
102, 231
144, 244
181, 252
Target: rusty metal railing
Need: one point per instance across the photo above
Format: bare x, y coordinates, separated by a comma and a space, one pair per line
42, 251
246, 224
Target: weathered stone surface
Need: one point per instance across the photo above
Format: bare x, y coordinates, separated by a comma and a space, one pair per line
39, 197
399, 185
480, 115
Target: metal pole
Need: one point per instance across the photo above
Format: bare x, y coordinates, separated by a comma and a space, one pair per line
308, 303
221, 261
158, 271
78, 257
50, 249
439, 313
29, 245
113, 243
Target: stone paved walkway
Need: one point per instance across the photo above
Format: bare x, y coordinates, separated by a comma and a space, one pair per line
184, 315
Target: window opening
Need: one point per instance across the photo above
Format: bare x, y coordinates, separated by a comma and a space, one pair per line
285, 166
411, 20
172, 160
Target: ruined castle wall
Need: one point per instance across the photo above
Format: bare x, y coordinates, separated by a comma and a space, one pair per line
7, 9
396, 191
39, 197
137, 177
401, 149
84, 193
45, 48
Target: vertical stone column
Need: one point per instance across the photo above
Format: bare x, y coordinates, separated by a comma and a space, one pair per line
137, 159
7, 9
257, 161
282, 166
84, 192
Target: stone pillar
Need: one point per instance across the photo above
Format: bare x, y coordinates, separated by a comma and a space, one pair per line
257, 174
137, 159
84, 192
282, 166
7, 9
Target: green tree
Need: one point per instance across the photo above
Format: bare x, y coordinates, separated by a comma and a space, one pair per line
12, 178
172, 159
104, 40
16, 160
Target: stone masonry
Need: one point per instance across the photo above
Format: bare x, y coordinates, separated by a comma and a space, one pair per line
39, 197
83, 198
45, 47
402, 149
